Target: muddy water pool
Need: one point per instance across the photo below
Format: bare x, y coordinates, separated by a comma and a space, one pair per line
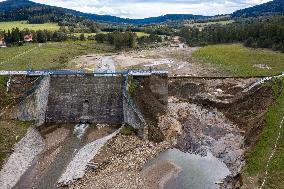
197, 172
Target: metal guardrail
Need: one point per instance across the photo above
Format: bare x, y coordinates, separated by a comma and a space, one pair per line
81, 72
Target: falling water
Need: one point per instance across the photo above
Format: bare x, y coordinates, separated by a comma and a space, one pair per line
80, 129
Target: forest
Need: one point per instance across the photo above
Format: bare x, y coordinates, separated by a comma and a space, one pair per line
261, 32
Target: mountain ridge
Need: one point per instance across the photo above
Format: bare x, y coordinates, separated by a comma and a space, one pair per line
25, 9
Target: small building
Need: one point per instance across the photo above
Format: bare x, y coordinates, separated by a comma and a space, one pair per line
28, 38
2, 42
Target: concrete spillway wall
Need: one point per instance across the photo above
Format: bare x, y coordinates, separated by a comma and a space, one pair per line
33, 107
92, 99
85, 98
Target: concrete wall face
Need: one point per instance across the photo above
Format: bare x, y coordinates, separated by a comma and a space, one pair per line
33, 108
97, 99
133, 116
85, 98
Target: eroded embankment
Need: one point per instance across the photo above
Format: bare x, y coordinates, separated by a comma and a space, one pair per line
217, 115
204, 116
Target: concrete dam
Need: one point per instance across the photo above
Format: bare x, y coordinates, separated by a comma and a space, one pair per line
89, 98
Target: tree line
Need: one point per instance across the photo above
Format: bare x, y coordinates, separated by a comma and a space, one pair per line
16, 36
263, 32
118, 39
126, 39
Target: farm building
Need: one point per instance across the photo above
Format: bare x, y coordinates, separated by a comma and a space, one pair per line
28, 38
2, 42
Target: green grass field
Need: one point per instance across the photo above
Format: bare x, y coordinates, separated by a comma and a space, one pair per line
48, 55
23, 24
238, 60
257, 159
141, 34
85, 34
209, 23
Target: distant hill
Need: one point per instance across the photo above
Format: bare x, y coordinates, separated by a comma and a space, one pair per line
13, 10
275, 7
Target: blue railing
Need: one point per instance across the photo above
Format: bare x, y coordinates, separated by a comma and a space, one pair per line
80, 72
54, 72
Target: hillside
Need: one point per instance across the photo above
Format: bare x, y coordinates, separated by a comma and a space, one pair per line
271, 8
15, 10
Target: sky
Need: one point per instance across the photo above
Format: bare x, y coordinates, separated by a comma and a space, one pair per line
150, 8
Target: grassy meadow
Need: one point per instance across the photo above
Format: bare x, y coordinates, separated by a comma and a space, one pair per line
209, 23
23, 25
139, 34
237, 60
47, 55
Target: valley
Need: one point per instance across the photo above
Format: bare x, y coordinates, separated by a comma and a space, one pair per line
175, 101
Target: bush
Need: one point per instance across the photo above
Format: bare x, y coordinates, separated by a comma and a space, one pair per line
41, 36
128, 130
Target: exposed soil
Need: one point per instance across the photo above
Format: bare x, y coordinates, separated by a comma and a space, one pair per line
248, 113
176, 60
19, 86
244, 110
151, 104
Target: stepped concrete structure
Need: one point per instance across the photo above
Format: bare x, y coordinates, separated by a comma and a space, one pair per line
91, 98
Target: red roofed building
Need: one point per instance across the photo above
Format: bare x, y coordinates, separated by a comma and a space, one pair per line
28, 38
2, 42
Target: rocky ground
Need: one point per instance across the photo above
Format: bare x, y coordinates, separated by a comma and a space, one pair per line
202, 130
120, 163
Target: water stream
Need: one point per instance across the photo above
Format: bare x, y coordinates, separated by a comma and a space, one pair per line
197, 172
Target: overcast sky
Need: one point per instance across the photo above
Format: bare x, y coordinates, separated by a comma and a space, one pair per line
147, 8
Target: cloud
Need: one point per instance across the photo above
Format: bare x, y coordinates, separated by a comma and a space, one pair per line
149, 8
